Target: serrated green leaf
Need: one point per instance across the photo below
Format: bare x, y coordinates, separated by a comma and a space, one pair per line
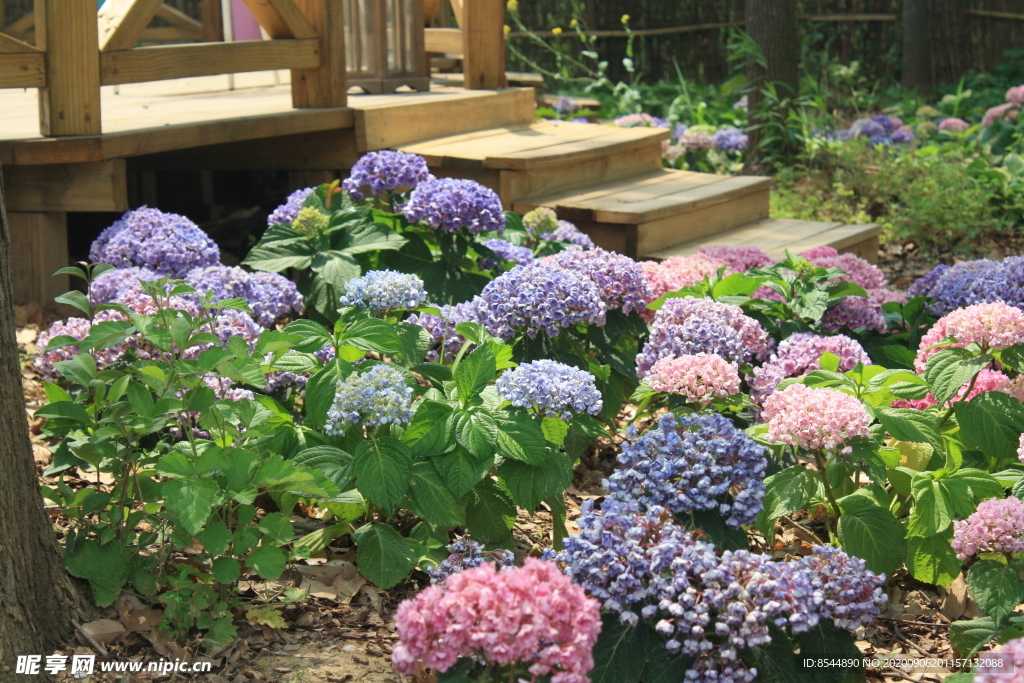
383, 468
992, 421
372, 335
950, 369
491, 514
215, 538
335, 463
429, 432
321, 388
461, 470
786, 492
619, 654
528, 484
873, 534
226, 570
520, 438
555, 430
932, 560
105, 566
190, 502
431, 499
475, 431
276, 528
383, 556
967, 637
268, 561
996, 588
474, 372
931, 513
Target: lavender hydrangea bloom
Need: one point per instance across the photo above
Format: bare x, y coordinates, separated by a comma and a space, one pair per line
853, 313
465, 553
924, 285
729, 140
231, 323
270, 295
640, 121
384, 290
902, 136
167, 243
565, 105
619, 278
800, 354
567, 232
690, 464
551, 388
386, 171
77, 328
109, 285
444, 339
287, 212
689, 326
451, 204
539, 298
973, 282
378, 396
510, 252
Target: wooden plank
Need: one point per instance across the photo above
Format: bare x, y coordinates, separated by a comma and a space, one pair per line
840, 236
23, 25
483, 52
9, 45
578, 151
459, 11
169, 34
770, 234
325, 85
176, 17
614, 187
95, 186
70, 102
709, 220
314, 151
121, 22
443, 40
434, 150
213, 24
489, 155
728, 190
280, 18
178, 61
25, 70
39, 248
675, 183
409, 120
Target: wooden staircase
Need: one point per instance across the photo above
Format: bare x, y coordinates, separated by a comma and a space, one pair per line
609, 181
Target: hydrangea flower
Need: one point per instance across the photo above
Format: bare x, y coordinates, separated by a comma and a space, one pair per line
729, 139
817, 419
699, 378
270, 295
991, 325
677, 272
510, 252
286, 213
854, 313
73, 327
444, 338
532, 615
694, 139
384, 290
686, 326
310, 222
451, 204
385, 171
375, 397
619, 278
997, 526
953, 124
857, 269
550, 388
1004, 665
1006, 112
800, 354
1015, 95
539, 298
690, 464
109, 285
986, 380
166, 243
640, 120
567, 232
540, 220
738, 259
973, 282
465, 553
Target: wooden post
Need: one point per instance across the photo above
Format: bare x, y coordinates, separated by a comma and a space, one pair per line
483, 38
70, 102
324, 86
39, 248
213, 27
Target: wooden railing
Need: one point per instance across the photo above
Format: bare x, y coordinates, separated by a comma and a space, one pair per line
480, 39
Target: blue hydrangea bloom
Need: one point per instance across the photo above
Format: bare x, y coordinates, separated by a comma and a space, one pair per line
550, 388
383, 290
109, 285
444, 338
510, 252
972, 282
166, 243
729, 140
567, 232
619, 278
693, 463
386, 171
451, 204
287, 212
270, 295
375, 397
465, 553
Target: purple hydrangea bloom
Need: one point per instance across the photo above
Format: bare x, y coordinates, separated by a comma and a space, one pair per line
678, 130
465, 553
444, 338
378, 396
729, 140
854, 313
109, 285
640, 121
231, 323
72, 327
619, 278
739, 259
386, 171
550, 388
510, 252
799, 355
287, 212
167, 243
690, 464
451, 204
973, 282
924, 285
565, 105
741, 103
695, 139
270, 295
539, 298
384, 290
687, 326
567, 232
902, 136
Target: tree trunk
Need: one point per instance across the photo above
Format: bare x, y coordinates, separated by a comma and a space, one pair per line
771, 24
917, 64
37, 598
936, 45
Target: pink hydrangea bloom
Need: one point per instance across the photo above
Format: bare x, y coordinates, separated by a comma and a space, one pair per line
814, 418
1011, 658
679, 271
988, 380
1007, 112
1020, 449
533, 614
857, 270
883, 295
800, 354
932, 337
1014, 387
739, 259
954, 124
699, 377
993, 325
1015, 94
997, 526
819, 252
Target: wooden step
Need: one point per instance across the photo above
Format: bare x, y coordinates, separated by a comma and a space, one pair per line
779, 235
519, 161
660, 209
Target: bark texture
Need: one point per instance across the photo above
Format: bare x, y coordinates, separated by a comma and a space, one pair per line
936, 43
772, 25
38, 599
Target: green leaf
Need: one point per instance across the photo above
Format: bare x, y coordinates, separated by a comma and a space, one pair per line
268, 561
967, 637
365, 236
776, 662
384, 557
520, 438
215, 538
992, 421
76, 299
826, 641
950, 369
491, 514
226, 570
280, 256
619, 654
475, 372
67, 410
932, 560
105, 566
931, 509
461, 470
996, 587
786, 492
528, 484
320, 391
475, 431
276, 528
335, 463
431, 499
383, 468
907, 424
190, 502
874, 535
312, 335
982, 484
737, 284
373, 335
430, 432
103, 335
555, 430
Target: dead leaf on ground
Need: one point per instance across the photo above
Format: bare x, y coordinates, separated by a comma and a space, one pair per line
104, 631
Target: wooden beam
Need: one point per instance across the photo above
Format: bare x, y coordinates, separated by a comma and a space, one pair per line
94, 186
121, 22
176, 17
443, 40
459, 11
989, 14
24, 70
280, 18
39, 248
206, 59
213, 25
70, 102
169, 34
23, 25
483, 52
326, 85
317, 151
9, 45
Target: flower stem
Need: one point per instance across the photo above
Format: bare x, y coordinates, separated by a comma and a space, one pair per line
822, 472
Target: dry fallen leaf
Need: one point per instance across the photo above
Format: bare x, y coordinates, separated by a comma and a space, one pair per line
104, 631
